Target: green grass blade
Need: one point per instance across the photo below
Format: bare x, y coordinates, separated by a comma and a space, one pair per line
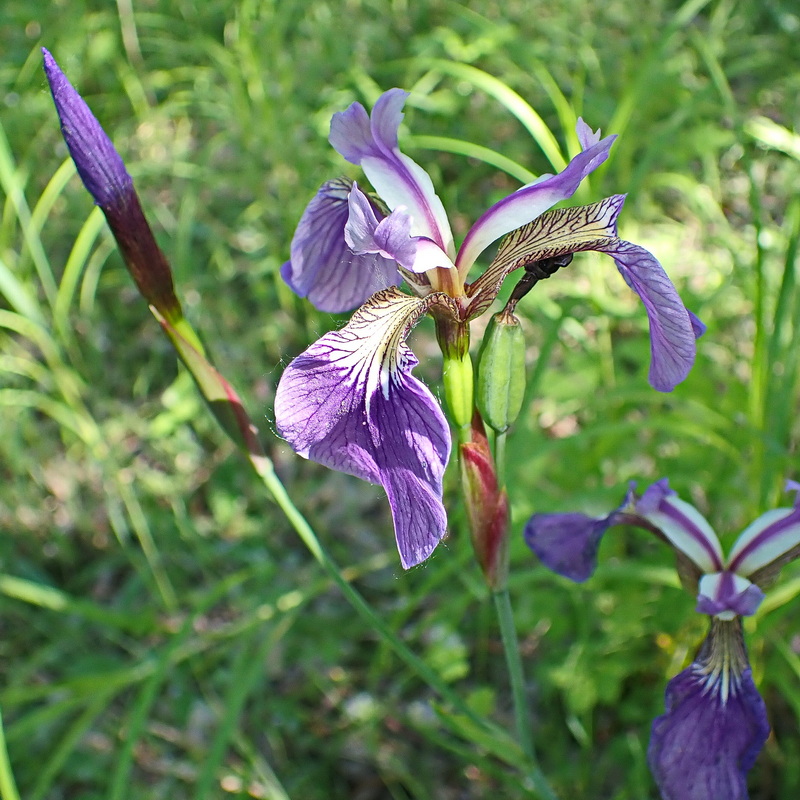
511, 100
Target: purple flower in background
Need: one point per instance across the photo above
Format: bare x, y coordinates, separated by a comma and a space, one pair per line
349, 401
715, 722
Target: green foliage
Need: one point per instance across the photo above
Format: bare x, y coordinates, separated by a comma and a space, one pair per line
163, 632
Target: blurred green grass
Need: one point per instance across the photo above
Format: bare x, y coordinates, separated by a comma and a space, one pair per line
162, 632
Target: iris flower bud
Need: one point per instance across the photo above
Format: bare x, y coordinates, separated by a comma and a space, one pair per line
501, 372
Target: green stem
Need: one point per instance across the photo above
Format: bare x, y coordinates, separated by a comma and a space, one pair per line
508, 632
8, 789
263, 467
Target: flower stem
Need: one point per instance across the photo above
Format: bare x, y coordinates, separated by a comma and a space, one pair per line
508, 632
263, 467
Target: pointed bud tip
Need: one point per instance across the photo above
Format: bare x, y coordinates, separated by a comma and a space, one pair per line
100, 166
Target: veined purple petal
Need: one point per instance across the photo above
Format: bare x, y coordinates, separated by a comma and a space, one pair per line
389, 237
323, 267
672, 330
529, 202
349, 402
371, 142
100, 166
714, 726
726, 595
567, 543
682, 524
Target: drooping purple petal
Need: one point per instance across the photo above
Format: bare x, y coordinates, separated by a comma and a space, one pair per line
371, 142
323, 267
100, 166
567, 543
529, 202
714, 726
672, 330
682, 524
349, 402
726, 595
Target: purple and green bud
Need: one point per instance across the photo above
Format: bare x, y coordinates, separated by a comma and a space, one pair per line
104, 175
501, 372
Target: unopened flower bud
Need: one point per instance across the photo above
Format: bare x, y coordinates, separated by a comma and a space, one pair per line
501, 372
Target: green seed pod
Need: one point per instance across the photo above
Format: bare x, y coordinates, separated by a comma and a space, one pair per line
501, 372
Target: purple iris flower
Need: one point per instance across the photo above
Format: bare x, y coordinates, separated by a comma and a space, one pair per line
715, 722
349, 401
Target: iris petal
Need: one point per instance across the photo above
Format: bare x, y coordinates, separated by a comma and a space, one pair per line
682, 525
350, 403
714, 726
529, 202
568, 543
322, 266
371, 142
672, 331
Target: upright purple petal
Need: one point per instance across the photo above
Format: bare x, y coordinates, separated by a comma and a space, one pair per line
672, 330
371, 142
586, 136
529, 202
100, 166
323, 267
349, 402
714, 726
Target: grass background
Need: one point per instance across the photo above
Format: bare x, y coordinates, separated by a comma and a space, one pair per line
163, 633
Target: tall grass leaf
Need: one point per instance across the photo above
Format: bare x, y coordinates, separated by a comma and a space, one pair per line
77, 261
72, 737
18, 295
8, 786
13, 186
771, 134
507, 97
460, 147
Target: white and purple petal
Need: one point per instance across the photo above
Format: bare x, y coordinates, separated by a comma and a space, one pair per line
322, 265
349, 402
714, 726
773, 538
371, 142
529, 202
682, 524
726, 595
672, 330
